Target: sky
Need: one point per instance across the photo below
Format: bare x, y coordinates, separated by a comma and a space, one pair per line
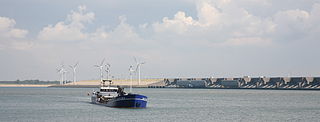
176, 38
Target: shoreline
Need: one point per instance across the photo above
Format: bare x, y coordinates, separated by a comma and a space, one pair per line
25, 85
126, 86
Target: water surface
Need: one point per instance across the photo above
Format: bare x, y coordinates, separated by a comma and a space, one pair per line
72, 104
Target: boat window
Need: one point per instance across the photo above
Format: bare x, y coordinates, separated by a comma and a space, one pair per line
108, 90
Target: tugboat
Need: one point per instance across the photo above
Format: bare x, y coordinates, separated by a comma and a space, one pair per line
116, 97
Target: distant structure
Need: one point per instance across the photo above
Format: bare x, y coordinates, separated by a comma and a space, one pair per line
247, 82
131, 72
138, 65
74, 67
62, 72
230, 84
192, 83
101, 66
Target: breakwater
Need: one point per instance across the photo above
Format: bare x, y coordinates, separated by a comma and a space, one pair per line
299, 83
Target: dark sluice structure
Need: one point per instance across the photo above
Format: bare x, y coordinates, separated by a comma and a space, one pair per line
218, 81
296, 82
315, 83
274, 82
247, 82
255, 82
241, 81
192, 83
208, 80
171, 81
230, 84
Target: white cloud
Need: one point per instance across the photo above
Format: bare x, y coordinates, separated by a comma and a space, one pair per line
70, 30
217, 21
6, 23
74, 29
297, 25
11, 37
291, 23
314, 22
251, 41
179, 24
227, 22
209, 14
124, 31
99, 34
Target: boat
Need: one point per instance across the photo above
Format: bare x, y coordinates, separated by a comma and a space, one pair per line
117, 98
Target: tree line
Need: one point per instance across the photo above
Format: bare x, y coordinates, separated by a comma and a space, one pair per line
36, 81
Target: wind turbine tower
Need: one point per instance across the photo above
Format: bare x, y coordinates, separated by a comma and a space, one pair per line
74, 67
62, 72
138, 69
65, 76
131, 71
101, 66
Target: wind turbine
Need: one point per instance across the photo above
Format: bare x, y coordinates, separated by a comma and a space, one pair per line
131, 71
74, 67
62, 71
65, 76
138, 69
101, 69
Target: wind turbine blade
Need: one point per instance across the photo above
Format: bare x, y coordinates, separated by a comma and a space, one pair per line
107, 71
62, 64
108, 65
135, 59
58, 70
131, 69
76, 64
102, 62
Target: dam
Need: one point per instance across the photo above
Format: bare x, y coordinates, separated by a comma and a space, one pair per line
307, 83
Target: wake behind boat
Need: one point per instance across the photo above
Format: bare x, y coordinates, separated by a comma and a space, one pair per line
116, 97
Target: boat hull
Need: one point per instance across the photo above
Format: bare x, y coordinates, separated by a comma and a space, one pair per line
125, 101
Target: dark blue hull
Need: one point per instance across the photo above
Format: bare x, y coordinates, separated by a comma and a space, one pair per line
128, 101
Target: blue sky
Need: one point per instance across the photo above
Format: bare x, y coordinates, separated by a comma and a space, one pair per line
176, 38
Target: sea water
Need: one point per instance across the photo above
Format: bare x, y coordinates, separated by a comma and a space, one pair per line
164, 104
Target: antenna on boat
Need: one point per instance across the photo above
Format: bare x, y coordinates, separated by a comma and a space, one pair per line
74, 67
104, 82
100, 68
131, 71
138, 69
107, 66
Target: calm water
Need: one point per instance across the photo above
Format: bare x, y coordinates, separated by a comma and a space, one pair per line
72, 104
